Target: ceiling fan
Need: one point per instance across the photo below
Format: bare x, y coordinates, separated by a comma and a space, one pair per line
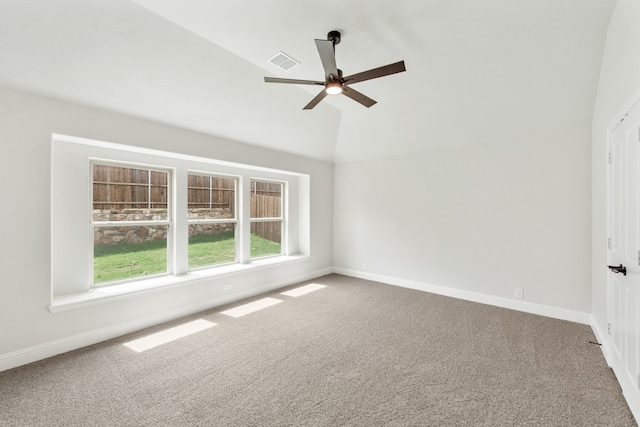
335, 83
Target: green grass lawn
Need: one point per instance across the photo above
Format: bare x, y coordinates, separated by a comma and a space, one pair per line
211, 249
263, 247
128, 260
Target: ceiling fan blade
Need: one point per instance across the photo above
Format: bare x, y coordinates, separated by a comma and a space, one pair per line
292, 81
357, 96
374, 73
315, 101
328, 57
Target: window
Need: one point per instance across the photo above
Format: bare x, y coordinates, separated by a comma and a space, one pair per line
127, 219
131, 222
266, 218
212, 220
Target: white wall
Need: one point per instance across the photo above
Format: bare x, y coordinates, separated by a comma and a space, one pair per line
483, 219
619, 83
27, 329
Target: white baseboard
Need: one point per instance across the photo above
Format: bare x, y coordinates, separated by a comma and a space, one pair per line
63, 345
527, 307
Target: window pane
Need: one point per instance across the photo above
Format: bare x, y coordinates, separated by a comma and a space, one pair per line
211, 197
211, 244
126, 252
266, 199
128, 194
266, 238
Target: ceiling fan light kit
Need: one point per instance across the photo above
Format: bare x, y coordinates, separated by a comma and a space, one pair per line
334, 83
334, 87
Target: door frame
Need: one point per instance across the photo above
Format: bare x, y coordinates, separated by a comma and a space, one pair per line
606, 347
613, 125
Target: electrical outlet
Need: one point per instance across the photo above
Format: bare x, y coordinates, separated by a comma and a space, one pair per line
364, 267
519, 293
228, 287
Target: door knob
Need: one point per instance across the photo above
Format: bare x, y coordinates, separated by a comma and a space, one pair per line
618, 269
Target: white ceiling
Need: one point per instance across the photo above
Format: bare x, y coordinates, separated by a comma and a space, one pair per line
477, 71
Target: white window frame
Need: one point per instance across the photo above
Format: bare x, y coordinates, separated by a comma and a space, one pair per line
281, 218
143, 223
235, 220
72, 243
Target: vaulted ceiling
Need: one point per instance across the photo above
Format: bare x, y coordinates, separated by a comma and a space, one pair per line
477, 71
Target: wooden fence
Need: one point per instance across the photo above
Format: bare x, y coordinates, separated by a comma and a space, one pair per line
119, 188
266, 202
210, 192
127, 188
266, 206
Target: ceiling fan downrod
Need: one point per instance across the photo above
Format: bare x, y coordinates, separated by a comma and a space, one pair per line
334, 36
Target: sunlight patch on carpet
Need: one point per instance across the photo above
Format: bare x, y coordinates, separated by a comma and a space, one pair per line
245, 309
303, 290
168, 335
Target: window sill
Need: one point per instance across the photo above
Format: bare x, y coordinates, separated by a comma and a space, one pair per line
126, 290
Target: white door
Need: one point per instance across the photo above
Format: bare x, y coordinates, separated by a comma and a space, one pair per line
624, 252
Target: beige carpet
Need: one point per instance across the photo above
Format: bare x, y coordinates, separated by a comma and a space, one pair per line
355, 353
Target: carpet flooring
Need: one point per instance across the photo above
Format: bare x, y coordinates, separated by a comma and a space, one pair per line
351, 353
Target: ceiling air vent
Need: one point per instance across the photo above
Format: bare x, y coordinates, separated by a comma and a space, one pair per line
283, 61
